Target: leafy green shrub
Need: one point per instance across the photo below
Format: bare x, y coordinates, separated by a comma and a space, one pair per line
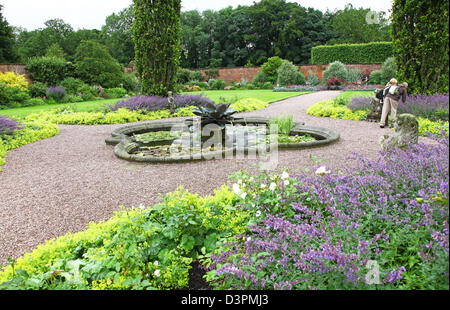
335, 69
141, 248
388, 70
183, 76
72, 85
366, 53
288, 74
260, 77
49, 70
211, 74
329, 108
12, 79
130, 82
313, 79
33, 102
95, 66
37, 89
284, 124
375, 77
11, 97
300, 79
249, 104
87, 92
218, 85
115, 92
195, 76
270, 68
353, 75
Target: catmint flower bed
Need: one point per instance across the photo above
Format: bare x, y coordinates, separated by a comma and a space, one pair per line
156, 103
382, 224
8, 126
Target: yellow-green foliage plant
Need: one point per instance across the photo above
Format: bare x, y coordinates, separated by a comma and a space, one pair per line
249, 104
138, 248
32, 131
328, 108
12, 79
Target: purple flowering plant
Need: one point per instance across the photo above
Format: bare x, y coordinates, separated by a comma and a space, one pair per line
156, 103
56, 93
8, 126
320, 231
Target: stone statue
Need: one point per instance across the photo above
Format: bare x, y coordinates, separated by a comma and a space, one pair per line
406, 129
375, 108
171, 102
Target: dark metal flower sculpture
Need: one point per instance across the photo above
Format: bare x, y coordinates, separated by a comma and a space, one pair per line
220, 114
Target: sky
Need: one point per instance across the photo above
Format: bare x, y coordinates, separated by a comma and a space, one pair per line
91, 14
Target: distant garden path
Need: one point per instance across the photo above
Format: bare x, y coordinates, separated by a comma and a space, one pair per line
59, 185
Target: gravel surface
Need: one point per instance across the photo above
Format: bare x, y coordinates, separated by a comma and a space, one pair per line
59, 185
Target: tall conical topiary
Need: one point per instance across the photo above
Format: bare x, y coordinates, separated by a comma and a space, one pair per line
156, 35
421, 46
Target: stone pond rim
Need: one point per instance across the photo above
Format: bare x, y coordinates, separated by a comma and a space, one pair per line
121, 139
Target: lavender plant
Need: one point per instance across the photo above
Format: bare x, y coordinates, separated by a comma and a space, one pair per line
56, 93
8, 126
156, 103
379, 224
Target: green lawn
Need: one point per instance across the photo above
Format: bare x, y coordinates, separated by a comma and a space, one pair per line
266, 95
78, 106
216, 95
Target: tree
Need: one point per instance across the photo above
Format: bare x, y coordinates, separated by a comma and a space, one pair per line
118, 35
351, 26
95, 66
421, 46
8, 53
55, 50
156, 35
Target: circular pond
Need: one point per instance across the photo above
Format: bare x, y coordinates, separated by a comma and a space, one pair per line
175, 141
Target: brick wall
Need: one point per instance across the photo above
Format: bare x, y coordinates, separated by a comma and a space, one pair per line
237, 74
18, 69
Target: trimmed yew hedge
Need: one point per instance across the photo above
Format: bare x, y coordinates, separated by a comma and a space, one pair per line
375, 52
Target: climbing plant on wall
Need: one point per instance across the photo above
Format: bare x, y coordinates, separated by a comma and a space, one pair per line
421, 46
156, 35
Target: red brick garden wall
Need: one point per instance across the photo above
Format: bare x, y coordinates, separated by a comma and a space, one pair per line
18, 69
237, 74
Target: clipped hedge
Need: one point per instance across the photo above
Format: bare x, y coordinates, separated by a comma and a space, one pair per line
375, 52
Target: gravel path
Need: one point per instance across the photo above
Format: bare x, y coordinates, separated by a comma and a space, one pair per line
59, 185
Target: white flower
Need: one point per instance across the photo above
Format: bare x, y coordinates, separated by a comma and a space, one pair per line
240, 182
236, 189
141, 206
286, 183
156, 263
251, 179
263, 185
322, 170
243, 195
272, 186
249, 239
157, 273
258, 213
285, 175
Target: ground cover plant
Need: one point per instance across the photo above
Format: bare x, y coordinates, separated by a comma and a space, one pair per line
14, 134
431, 110
375, 224
382, 224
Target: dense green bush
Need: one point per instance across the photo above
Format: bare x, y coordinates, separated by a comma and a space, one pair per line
353, 75
375, 77
388, 70
87, 92
421, 46
260, 77
313, 79
95, 66
72, 85
130, 82
156, 35
37, 89
335, 69
49, 70
288, 74
196, 76
218, 84
115, 92
12, 97
375, 52
270, 68
183, 76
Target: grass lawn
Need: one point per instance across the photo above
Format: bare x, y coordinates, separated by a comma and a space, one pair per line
78, 106
265, 95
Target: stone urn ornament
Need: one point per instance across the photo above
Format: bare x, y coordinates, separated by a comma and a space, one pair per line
406, 132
